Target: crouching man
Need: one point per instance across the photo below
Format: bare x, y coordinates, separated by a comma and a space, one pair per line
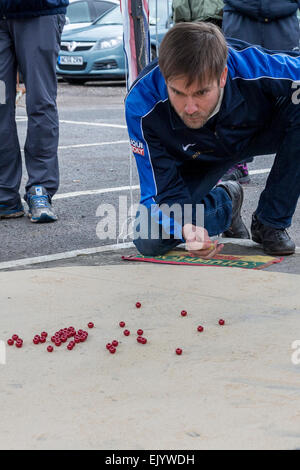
203, 107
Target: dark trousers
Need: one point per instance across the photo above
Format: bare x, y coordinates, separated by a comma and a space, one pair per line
278, 200
31, 45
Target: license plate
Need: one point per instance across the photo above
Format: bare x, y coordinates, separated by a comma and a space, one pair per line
70, 60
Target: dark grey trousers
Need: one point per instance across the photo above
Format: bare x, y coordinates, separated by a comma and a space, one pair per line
32, 45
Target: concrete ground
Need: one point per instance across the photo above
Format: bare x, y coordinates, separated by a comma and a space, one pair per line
234, 386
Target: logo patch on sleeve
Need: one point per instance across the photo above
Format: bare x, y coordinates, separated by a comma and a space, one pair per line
137, 147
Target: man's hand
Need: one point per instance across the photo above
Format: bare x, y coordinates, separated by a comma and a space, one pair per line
198, 242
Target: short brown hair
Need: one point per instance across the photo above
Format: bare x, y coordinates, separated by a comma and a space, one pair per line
197, 51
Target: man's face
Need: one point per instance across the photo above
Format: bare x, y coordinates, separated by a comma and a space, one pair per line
195, 104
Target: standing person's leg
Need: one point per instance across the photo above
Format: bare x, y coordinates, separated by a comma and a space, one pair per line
37, 47
10, 155
278, 201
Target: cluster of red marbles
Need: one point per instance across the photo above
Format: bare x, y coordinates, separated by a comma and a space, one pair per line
15, 340
64, 334
112, 347
57, 339
42, 338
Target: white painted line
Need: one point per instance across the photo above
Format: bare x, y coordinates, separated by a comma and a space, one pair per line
96, 144
82, 123
94, 191
98, 124
259, 172
65, 255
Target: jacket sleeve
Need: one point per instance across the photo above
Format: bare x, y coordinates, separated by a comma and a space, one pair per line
162, 187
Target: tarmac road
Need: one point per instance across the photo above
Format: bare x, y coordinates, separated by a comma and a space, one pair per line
94, 156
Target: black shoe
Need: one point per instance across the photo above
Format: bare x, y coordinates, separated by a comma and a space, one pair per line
237, 227
275, 241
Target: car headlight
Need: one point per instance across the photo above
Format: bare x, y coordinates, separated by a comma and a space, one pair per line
108, 43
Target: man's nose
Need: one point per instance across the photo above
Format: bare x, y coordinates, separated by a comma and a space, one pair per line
190, 106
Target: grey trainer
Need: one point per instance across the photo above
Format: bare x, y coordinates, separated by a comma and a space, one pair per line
39, 204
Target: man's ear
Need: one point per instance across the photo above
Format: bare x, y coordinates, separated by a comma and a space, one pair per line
223, 77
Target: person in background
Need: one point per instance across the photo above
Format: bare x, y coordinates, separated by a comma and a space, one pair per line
198, 10
30, 33
272, 24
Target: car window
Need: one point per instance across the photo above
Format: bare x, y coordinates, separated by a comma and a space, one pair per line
102, 7
79, 12
161, 14
112, 17
159, 11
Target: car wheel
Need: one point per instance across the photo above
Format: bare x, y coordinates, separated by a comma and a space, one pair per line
75, 81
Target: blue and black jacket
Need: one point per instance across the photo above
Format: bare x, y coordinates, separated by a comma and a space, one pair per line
163, 144
10, 9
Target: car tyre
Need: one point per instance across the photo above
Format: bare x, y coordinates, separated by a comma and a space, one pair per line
75, 81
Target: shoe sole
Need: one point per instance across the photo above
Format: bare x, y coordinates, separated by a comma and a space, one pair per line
42, 220
272, 253
243, 180
15, 215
